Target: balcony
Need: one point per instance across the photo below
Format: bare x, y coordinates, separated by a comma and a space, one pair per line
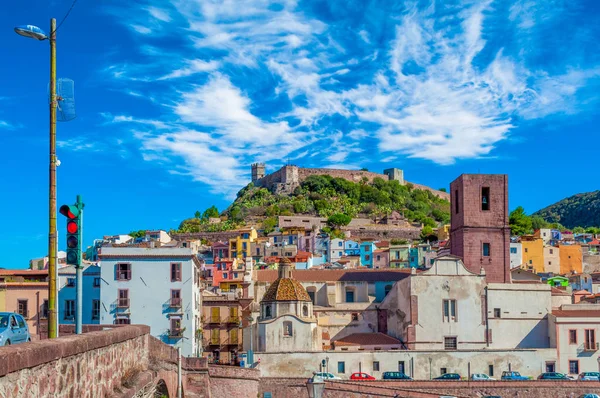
233, 319
176, 333
214, 319
123, 303
175, 302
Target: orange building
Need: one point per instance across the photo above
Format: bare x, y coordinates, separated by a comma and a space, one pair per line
571, 259
26, 292
533, 253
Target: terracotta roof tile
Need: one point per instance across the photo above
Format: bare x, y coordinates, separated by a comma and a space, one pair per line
581, 292
23, 272
286, 289
558, 292
577, 313
367, 339
332, 275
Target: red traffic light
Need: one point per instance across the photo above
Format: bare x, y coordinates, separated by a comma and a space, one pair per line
69, 211
72, 227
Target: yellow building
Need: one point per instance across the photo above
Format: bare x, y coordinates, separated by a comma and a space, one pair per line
571, 259
443, 232
240, 247
533, 253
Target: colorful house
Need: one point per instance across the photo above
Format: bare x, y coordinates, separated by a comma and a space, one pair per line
533, 253
240, 246
351, 248
571, 259
552, 260
381, 258
399, 256
367, 248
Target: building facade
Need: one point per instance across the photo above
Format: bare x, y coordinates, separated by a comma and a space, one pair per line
158, 287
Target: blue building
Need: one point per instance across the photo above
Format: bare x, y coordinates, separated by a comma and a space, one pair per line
351, 248
90, 292
366, 253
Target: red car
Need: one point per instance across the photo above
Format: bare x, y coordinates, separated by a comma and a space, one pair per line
361, 376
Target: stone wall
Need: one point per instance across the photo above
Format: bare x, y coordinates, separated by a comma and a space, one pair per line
591, 263
233, 382
383, 233
96, 362
296, 387
209, 236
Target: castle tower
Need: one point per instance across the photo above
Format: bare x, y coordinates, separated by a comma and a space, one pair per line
479, 231
258, 171
395, 174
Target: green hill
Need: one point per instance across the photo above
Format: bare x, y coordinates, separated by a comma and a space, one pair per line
581, 210
324, 196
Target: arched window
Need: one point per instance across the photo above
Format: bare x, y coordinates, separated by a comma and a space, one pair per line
268, 311
305, 310
287, 329
388, 288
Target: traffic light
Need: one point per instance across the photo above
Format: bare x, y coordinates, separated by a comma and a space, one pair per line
73, 214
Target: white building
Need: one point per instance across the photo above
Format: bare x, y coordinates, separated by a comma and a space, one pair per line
336, 249
158, 236
90, 291
516, 255
157, 287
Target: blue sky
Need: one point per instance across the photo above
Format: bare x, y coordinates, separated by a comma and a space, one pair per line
176, 98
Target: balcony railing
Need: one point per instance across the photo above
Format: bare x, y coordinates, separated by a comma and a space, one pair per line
591, 346
233, 319
123, 303
175, 302
214, 319
176, 333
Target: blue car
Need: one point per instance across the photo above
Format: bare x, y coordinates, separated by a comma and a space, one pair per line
513, 376
13, 329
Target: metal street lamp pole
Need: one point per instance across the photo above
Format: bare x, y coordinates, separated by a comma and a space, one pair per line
34, 32
52, 254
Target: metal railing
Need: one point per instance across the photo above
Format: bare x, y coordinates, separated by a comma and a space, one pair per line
176, 332
592, 346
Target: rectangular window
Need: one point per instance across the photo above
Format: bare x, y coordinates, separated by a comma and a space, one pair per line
378, 258
123, 272
449, 343
526, 250
339, 244
590, 339
123, 301
574, 367
491, 370
123, 321
375, 366
367, 249
22, 308
551, 251
215, 336
176, 272
572, 336
233, 336
69, 309
224, 275
341, 367
401, 367
485, 198
513, 250
70, 282
486, 250
95, 309
443, 371
176, 327
497, 313
456, 201
349, 296
367, 257
550, 367
355, 316
44, 310
96, 282
449, 311
175, 298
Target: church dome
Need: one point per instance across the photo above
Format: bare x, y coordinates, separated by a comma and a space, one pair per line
285, 288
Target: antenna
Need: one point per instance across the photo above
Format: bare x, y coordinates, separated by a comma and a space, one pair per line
65, 92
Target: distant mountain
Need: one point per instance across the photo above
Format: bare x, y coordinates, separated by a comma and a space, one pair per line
581, 210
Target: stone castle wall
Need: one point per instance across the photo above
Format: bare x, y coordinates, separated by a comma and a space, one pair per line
288, 178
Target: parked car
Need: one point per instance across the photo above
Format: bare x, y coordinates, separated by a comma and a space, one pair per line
448, 376
513, 376
395, 376
595, 376
361, 376
326, 376
552, 376
590, 395
481, 376
13, 329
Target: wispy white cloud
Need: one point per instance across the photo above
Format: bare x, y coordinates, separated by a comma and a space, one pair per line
192, 67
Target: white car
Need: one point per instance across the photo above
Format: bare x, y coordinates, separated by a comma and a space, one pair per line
326, 376
481, 376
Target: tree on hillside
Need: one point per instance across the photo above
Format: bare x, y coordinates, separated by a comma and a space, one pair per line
578, 230
138, 234
339, 220
520, 223
538, 222
211, 212
197, 214
442, 190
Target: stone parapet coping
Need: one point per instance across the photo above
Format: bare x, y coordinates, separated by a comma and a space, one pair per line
16, 357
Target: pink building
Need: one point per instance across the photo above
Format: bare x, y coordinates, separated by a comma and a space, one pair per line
26, 292
381, 258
